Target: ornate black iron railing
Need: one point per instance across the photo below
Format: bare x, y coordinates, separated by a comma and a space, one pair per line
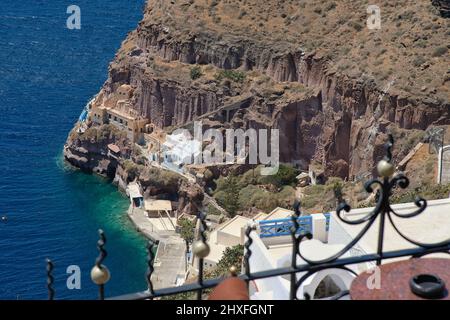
383, 210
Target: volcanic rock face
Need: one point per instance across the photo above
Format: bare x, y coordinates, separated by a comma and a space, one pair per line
324, 113
89, 151
443, 6
168, 103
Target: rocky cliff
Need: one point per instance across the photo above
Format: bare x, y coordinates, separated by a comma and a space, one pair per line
443, 6
90, 151
333, 87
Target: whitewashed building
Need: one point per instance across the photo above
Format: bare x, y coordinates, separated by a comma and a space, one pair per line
272, 245
180, 149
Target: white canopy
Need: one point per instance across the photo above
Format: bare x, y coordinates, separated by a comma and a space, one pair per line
134, 191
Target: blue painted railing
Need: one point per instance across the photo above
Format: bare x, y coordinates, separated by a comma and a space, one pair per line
282, 227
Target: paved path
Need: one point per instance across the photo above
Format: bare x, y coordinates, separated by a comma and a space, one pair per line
170, 257
143, 225
169, 263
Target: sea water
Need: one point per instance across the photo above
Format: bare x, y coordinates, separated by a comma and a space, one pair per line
47, 74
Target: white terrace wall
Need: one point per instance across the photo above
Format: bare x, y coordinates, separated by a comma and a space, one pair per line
259, 261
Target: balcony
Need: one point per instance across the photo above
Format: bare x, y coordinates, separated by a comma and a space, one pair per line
291, 257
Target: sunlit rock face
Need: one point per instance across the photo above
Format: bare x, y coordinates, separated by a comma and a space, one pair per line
333, 89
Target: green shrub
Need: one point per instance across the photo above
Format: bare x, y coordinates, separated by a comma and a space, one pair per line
161, 179
254, 196
236, 76
187, 228
133, 170
231, 257
250, 195
213, 211
336, 185
228, 196
418, 61
249, 177
107, 132
428, 192
196, 72
323, 196
220, 196
141, 160
286, 175
318, 10
440, 51
356, 25
286, 197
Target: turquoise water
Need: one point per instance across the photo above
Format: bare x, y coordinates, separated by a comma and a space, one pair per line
47, 74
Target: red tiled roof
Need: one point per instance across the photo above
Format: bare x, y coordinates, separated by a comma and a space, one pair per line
113, 148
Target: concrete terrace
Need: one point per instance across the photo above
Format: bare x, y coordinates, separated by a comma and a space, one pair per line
429, 227
169, 261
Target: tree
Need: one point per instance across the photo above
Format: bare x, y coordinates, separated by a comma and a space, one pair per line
286, 175
232, 257
196, 72
186, 230
231, 196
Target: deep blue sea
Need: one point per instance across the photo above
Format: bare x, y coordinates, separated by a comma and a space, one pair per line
47, 74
